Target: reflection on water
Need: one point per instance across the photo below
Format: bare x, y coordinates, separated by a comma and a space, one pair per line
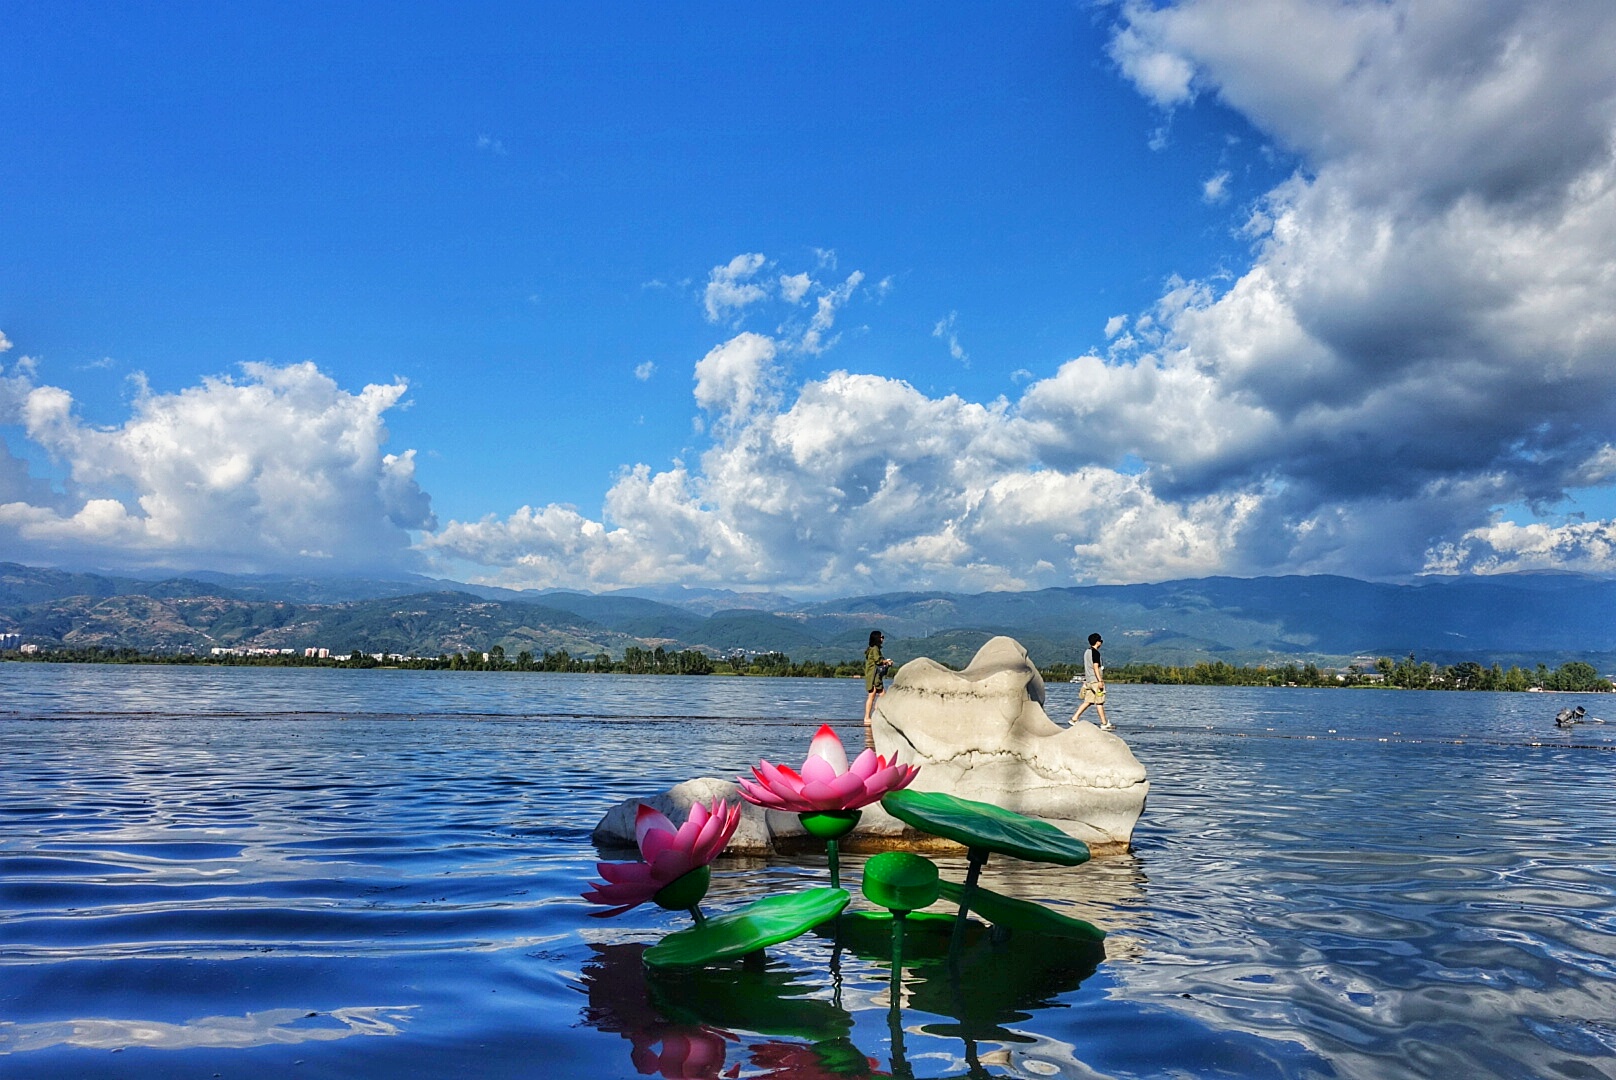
1324, 883
254, 1029
691, 1024
793, 1015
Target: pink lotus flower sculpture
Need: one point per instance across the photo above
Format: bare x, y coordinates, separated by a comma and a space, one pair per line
827, 782
827, 793
673, 871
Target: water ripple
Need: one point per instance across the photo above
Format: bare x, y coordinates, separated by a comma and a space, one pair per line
256, 883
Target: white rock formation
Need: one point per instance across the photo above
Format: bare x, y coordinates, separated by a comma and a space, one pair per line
982, 734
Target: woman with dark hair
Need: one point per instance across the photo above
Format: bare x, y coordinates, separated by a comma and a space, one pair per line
875, 670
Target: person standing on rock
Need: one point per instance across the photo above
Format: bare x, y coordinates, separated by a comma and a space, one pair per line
875, 671
1094, 683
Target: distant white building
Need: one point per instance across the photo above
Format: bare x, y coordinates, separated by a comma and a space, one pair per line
253, 650
10, 641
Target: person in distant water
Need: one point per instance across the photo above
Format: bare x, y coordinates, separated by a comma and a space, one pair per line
875, 671
1094, 683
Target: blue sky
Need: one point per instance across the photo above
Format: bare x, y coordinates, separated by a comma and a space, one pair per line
821, 303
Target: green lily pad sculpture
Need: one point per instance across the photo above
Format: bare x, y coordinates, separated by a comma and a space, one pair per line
1001, 910
901, 882
760, 924
985, 829
980, 825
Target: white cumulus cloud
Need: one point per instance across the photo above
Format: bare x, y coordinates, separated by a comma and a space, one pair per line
1426, 329
731, 287
793, 287
267, 471
1506, 547
1424, 334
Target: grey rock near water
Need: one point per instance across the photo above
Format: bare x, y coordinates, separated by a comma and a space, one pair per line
761, 832
981, 734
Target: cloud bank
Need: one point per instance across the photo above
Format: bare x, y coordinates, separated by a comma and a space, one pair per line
1424, 335
278, 470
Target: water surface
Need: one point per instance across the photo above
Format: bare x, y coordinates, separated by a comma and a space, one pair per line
253, 871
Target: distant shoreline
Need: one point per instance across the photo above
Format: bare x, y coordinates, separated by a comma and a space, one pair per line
1573, 677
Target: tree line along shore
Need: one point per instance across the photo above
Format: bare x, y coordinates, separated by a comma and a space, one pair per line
1408, 673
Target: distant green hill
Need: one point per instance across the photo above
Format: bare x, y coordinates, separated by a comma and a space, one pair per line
632, 615
1526, 619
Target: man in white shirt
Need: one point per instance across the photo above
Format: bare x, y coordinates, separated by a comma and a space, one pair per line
1094, 683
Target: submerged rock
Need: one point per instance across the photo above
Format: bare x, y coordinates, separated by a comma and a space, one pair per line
982, 734
761, 832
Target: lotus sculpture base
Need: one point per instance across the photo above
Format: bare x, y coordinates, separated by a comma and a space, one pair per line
830, 824
683, 893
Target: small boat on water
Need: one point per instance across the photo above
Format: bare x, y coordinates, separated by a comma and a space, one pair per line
1574, 714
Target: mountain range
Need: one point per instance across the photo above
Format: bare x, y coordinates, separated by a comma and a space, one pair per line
1525, 618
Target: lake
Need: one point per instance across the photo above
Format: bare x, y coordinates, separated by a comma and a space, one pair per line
254, 872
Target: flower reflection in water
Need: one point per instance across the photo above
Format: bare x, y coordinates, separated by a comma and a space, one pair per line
787, 1021
693, 1024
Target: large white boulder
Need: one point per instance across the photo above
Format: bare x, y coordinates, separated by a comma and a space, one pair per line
982, 734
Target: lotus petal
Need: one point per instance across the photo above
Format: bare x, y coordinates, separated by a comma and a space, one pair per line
828, 747
841, 793
624, 873
758, 794
669, 865
817, 769
891, 778
866, 763
725, 825
621, 894
647, 819
655, 841
780, 777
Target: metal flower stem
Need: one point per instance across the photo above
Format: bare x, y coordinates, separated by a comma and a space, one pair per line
900, 1067
956, 944
835, 865
695, 913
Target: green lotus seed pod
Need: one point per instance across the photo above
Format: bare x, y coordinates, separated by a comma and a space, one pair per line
685, 891
901, 881
830, 824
